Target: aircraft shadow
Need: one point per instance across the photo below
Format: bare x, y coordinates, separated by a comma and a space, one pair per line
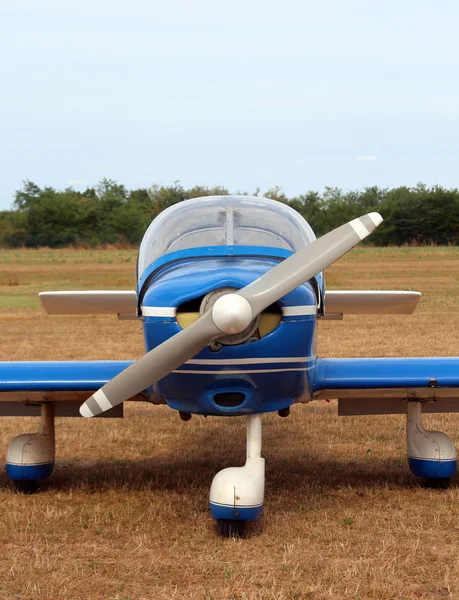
309, 474
285, 472
180, 475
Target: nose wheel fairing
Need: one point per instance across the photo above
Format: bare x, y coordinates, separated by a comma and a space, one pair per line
237, 493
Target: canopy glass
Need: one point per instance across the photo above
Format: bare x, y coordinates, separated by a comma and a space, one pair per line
224, 221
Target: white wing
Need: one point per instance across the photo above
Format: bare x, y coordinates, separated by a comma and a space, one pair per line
366, 302
95, 302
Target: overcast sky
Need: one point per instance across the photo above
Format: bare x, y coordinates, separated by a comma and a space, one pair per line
243, 93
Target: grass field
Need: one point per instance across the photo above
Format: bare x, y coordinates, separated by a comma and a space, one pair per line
125, 514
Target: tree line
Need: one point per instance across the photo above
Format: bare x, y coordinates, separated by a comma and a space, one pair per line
109, 213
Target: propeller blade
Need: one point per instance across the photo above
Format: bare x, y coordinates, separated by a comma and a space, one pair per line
153, 366
307, 262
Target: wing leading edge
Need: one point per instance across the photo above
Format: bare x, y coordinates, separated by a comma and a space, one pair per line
69, 383
365, 386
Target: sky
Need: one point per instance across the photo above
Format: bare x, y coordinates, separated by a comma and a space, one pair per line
243, 93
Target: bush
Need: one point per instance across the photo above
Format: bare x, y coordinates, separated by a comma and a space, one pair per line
111, 214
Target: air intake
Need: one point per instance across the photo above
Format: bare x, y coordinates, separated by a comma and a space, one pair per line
229, 399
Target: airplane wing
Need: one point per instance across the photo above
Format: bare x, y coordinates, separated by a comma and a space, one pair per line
124, 303
369, 302
91, 302
374, 386
23, 385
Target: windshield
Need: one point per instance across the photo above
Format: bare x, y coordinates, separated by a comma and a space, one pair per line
224, 221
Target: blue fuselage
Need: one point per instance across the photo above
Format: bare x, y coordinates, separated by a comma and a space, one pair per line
265, 375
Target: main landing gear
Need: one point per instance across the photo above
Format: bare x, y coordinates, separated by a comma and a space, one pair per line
30, 456
431, 454
237, 493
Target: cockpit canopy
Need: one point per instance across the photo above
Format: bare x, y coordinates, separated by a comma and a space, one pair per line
224, 221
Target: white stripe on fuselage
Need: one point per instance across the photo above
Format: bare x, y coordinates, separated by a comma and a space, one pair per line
159, 311
238, 372
171, 311
250, 361
298, 311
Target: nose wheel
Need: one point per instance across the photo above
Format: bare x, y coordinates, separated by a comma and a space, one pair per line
231, 528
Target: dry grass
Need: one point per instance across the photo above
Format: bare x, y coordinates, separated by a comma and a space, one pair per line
125, 514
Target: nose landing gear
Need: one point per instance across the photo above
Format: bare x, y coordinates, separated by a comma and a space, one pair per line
237, 493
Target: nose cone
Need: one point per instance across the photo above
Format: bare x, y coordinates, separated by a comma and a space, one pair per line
232, 314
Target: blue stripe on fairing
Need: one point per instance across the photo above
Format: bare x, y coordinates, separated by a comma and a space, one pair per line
373, 373
70, 376
235, 513
432, 469
210, 251
29, 472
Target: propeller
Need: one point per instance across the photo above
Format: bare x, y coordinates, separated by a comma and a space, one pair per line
231, 314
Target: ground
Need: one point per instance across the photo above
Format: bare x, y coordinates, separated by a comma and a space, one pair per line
125, 514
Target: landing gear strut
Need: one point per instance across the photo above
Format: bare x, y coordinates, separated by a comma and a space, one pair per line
237, 493
30, 456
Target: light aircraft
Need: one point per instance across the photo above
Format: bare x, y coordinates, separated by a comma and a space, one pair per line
230, 290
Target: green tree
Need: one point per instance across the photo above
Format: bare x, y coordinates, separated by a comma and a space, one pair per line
25, 197
110, 213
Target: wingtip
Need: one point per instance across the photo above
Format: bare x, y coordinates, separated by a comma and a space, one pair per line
85, 411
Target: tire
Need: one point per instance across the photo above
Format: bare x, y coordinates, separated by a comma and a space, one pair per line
26, 487
231, 528
440, 483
